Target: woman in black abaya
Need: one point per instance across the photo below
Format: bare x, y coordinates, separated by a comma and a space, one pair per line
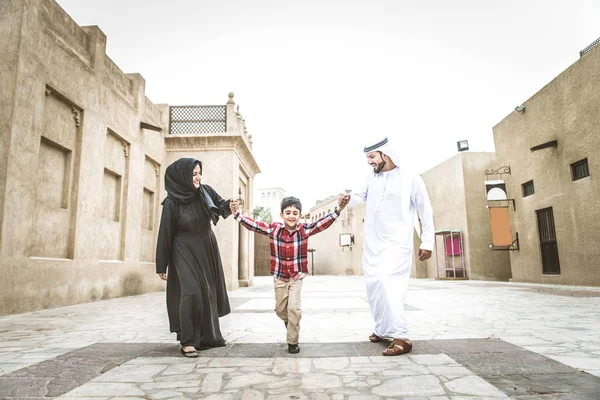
187, 257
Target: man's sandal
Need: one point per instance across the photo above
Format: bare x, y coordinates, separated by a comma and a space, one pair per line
374, 338
397, 347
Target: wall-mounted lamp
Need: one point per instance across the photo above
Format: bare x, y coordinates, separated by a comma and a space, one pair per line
520, 108
462, 145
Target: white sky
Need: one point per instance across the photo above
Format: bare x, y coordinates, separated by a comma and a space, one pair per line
317, 80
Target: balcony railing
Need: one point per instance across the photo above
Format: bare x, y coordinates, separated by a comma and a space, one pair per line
197, 119
589, 48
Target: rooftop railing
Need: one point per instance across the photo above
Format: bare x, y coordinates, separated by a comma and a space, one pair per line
589, 48
197, 119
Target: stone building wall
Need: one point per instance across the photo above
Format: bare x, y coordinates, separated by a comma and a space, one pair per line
82, 160
565, 111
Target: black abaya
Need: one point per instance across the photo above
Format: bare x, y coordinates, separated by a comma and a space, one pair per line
196, 290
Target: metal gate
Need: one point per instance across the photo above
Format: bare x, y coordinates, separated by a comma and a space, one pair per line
548, 245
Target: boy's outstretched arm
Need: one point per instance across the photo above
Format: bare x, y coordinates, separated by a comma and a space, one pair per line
320, 225
249, 223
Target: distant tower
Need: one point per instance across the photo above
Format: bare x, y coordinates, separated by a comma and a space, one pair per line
271, 198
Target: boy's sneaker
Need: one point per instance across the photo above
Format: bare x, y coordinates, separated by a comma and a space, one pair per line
293, 349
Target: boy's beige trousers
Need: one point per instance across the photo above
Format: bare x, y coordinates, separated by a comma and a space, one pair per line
288, 307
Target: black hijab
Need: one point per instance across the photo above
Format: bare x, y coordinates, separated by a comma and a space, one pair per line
180, 186
179, 180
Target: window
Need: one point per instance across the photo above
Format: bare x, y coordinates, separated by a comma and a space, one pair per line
580, 170
528, 189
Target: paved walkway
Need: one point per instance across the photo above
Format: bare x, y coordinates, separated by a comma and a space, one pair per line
473, 340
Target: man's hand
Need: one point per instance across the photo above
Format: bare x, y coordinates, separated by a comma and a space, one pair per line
343, 200
162, 276
233, 205
424, 254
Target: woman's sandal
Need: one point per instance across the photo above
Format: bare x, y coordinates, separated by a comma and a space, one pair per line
374, 338
397, 347
191, 354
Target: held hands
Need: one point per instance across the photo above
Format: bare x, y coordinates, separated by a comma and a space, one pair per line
233, 205
343, 200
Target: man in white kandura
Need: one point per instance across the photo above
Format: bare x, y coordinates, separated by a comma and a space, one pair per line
392, 194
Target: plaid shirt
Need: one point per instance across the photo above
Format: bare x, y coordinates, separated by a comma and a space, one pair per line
289, 250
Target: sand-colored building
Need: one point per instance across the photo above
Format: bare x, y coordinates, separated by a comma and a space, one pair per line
338, 249
82, 159
551, 144
457, 192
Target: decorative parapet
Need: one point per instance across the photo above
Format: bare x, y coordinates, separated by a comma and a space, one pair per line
209, 120
589, 48
197, 120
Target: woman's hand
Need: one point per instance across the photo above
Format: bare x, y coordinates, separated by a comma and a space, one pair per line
162, 276
233, 206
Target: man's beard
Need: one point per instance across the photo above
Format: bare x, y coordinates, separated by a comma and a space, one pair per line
379, 167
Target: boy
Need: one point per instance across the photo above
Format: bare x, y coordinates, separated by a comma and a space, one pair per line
289, 257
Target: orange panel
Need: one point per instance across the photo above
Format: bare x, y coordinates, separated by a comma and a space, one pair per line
500, 221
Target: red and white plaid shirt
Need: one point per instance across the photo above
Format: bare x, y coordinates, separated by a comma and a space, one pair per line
289, 249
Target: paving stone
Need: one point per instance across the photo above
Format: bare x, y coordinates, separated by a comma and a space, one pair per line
249, 380
356, 384
342, 391
280, 395
131, 373
207, 370
510, 363
576, 382
212, 383
167, 360
240, 362
23, 387
286, 365
79, 346
105, 389
320, 381
373, 381
449, 371
363, 397
194, 384
406, 370
473, 386
220, 397
378, 360
432, 359
331, 363
292, 382
175, 378
6, 368
251, 394
167, 394
425, 385
179, 369
490, 345
517, 385
254, 350
360, 360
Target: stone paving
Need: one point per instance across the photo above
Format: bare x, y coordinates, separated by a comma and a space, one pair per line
473, 340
